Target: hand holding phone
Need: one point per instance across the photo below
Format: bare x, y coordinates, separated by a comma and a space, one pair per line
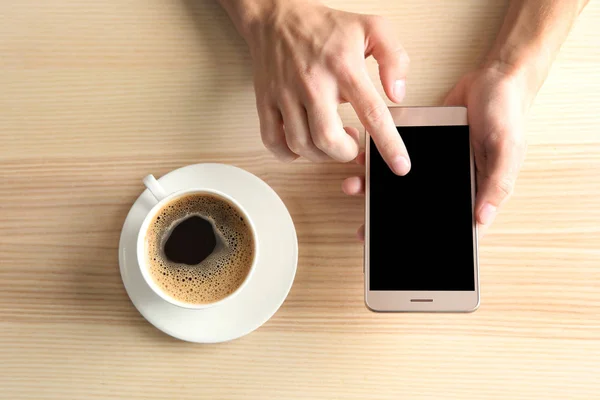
420, 232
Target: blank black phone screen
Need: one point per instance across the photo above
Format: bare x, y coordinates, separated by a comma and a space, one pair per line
421, 224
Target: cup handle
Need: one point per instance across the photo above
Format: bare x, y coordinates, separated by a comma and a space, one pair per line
155, 188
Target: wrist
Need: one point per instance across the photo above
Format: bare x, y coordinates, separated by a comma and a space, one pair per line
527, 68
529, 39
247, 15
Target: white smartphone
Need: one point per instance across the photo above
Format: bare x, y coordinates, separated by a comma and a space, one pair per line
420, 233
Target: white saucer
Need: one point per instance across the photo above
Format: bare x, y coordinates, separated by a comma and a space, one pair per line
269, 285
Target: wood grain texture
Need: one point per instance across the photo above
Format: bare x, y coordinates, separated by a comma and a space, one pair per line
96, 94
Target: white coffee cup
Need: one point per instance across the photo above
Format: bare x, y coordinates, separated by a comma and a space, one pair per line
162, 198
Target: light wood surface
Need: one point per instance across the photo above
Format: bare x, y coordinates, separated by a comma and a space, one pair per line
96, 94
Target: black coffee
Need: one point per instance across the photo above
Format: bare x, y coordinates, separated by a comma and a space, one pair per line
199, 248
191, 241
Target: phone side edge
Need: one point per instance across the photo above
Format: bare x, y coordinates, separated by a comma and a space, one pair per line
366, 266
475, 228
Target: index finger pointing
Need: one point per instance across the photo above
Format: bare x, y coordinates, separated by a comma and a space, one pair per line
375, 116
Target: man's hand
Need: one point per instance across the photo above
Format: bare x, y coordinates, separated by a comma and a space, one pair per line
499, 93
355, 186
496, 104
308, 59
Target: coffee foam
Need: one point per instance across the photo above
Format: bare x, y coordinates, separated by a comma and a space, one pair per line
223, 271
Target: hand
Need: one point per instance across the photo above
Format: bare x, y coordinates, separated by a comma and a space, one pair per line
496, 104
355, 186
308, 59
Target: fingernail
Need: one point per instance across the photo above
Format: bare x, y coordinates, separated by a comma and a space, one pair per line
401, 165
487, 214
399, 90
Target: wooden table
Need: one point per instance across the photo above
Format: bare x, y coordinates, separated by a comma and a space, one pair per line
96, 94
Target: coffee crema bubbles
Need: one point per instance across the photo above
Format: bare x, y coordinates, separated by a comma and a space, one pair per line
199, 248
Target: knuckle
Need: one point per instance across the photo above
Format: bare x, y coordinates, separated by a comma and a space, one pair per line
263, 98
347, 156
325, 141
504, 186
374, 114
286, 99
503, 134
312, 91
403, 56
285, 154
350, 83
350, 78
286, 157
387, 147
342, 67
271, 141
266, 91
337, 63
297, 144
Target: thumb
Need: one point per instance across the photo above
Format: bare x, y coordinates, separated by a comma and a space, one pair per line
390, 55
503, 160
